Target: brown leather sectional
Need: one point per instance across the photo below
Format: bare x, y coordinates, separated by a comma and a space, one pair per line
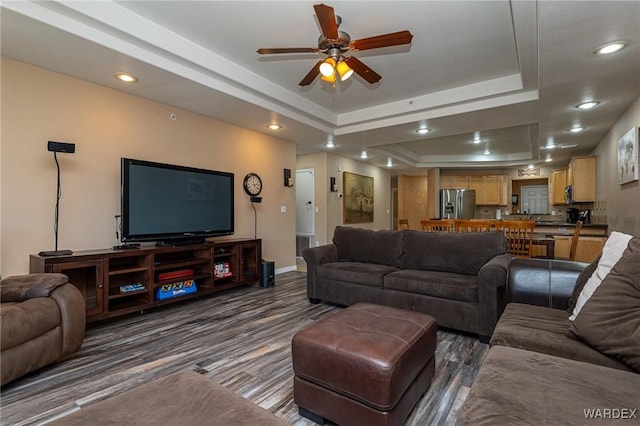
535, 374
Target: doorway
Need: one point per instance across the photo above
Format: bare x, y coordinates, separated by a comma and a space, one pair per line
535, 199
305, 209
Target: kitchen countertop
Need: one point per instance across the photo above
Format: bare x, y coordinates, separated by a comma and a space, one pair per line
565, 224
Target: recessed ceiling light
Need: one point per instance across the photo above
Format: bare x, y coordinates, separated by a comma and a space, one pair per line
477, 140
274, 126
127, 78
364, 154
576, 129
330, 144
612, 47
389, 162
423, 130
587, 105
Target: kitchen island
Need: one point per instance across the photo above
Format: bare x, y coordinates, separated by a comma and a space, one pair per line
590, 244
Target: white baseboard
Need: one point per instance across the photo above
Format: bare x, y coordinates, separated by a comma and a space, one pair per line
286, 269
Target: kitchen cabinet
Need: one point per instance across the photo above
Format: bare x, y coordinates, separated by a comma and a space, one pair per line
581, 175
454, 182
588, 249
491, 190
557, 186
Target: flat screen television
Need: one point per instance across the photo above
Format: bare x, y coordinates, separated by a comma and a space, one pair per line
174, 204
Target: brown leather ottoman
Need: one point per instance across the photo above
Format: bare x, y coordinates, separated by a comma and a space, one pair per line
368, 364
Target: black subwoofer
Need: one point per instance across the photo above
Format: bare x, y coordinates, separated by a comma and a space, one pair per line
268, 278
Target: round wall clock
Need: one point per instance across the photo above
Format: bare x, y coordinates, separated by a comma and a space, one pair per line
252, 184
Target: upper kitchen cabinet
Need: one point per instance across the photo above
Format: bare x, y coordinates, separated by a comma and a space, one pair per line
491, 190
454, 182
581, 175
557, 186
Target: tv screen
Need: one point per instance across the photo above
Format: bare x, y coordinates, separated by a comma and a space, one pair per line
167, 203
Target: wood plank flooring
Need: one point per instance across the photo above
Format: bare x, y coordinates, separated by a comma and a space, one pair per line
240, 339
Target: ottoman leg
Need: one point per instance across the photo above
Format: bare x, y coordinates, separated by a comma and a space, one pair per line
311, 415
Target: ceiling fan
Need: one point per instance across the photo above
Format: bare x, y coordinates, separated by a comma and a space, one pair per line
337, 45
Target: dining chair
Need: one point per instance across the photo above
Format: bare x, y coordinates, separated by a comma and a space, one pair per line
519, 235
574, 240
474, 225
403, 223
438, 225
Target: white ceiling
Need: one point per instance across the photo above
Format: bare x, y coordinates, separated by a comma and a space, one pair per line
511, 72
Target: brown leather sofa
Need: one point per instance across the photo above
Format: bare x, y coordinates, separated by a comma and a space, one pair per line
459, 279
535, 373
43, 321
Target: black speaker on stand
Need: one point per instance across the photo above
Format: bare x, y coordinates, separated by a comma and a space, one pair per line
57, 147
268, 278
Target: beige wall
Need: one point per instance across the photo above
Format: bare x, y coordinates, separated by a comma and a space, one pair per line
105, 124
622, 201
328, 165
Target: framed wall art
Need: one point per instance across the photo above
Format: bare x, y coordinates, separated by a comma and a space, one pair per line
628, 156
358, 198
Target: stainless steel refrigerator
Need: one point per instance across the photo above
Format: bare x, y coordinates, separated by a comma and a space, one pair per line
457, 203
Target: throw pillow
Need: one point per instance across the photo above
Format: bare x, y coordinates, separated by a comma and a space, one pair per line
613, 249
610, 320
580, 282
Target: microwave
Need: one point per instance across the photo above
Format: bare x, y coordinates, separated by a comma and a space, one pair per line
568, 194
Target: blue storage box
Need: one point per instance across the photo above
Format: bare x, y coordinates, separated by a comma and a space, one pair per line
181, 288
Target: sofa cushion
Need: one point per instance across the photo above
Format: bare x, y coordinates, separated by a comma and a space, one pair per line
22, 322
542, 329
445, 285
518, 387
610, 320
366, 245
463, 253
611, 253
368, 274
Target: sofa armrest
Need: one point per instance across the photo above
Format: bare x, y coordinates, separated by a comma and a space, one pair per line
492, 282
72, 317
23, 287
543, 282
315, 256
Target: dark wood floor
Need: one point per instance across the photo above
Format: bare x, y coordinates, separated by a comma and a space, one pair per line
240, 339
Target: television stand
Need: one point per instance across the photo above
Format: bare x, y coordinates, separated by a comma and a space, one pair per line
180, 242
105, 276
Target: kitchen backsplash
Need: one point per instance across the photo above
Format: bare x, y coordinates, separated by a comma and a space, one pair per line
558, 214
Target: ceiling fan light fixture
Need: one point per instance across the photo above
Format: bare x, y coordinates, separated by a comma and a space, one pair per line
344, 70
327, 68
329, 79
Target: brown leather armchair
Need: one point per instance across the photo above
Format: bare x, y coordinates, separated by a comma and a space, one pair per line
43, 321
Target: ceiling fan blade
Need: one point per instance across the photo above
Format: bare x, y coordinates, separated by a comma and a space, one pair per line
362, 70
384, 40
311, 75
267, 50
327, 20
